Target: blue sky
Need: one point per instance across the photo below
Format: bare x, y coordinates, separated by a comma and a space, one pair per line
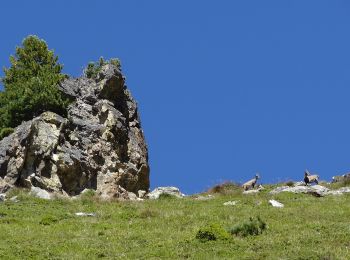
225, 88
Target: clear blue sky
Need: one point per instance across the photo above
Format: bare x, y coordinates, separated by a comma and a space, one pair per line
225, 88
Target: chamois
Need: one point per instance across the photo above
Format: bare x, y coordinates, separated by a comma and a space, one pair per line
308, 178
250, 184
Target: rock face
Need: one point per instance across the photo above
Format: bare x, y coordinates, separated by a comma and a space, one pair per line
100, 145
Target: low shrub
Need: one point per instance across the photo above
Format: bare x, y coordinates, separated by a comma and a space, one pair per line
290, 183
212, 232
252, 227
5, 132
225, 188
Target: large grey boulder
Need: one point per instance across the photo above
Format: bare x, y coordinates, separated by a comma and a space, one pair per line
40, 193
316, 190
99, 145
172, 191
276, 204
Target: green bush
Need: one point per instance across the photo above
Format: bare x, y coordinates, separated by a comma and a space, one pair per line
252, 227
212, 232
93, 68
290, 183
5, 132
30, 84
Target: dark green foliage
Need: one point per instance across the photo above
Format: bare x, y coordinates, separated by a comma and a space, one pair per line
290, 183
252, 227
5, 132
31, 84
93, 68
212, 232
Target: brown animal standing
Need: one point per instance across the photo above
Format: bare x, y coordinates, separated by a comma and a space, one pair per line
308, 178
250, 184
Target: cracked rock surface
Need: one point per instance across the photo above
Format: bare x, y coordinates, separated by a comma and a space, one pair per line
99, 146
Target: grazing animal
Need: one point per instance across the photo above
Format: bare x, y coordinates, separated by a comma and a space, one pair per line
308, 178
250, 184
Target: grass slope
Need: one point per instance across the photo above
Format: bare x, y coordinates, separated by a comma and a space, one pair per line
306, 228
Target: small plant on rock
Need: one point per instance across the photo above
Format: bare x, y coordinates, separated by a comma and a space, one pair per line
5, 132
93, 68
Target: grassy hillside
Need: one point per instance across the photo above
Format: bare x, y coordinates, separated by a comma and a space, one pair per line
306, 228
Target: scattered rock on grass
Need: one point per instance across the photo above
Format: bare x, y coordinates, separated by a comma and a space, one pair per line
251, 191
172, 191
276, 204
2, 197
14, 199
83, 214
40, 193
230, 203
316, 190
260, 188
340, 191
200, 197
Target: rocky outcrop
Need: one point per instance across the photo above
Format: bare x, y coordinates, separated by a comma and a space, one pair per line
316, 190
99, 145
341, 178
168, 191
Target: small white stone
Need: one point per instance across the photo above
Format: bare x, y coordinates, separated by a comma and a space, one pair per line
276, 204
141, 193
251, 191
14, 199
55, 157
230, 203
2, 196
83, 214
40, 193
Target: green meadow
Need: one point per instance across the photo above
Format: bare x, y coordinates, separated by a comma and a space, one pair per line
306, 228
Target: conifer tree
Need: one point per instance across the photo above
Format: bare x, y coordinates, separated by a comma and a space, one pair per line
30, 84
